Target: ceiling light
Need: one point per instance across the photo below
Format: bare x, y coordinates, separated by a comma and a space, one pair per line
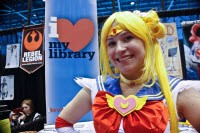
132, 3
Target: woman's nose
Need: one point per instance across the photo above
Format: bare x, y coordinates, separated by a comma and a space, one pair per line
120, 47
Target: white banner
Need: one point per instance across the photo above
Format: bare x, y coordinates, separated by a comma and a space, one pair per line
12, 55
7, 87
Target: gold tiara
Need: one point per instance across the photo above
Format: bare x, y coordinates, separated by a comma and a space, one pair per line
115, 30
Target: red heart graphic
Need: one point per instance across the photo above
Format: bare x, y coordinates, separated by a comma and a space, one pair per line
78, 35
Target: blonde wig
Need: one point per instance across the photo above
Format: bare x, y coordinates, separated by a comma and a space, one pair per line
148, 28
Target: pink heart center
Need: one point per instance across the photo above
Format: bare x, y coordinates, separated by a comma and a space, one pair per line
124, 105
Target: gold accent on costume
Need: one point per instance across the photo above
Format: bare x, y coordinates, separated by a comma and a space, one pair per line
130, 82
124, 105
115, 30
124, 109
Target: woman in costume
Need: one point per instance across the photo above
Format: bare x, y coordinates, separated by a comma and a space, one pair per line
138, 95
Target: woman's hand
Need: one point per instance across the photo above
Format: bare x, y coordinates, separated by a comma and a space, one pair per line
22, 116
14, 116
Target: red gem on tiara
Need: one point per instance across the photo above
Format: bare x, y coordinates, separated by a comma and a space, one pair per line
114, 31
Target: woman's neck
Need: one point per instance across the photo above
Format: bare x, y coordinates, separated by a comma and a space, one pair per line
135, 81
128, 89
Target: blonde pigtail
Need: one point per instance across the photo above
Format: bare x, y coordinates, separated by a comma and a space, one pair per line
163, 79
157, 30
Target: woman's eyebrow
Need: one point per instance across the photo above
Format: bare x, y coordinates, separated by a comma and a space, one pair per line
125, 33
109, 38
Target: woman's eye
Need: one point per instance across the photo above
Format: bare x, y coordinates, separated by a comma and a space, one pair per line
128, 38
111, 44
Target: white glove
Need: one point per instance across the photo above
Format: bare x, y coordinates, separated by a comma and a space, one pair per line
66, 130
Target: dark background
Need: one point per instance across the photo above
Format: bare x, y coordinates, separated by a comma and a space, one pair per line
31, 86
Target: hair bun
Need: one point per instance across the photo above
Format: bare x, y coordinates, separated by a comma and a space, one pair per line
152, 20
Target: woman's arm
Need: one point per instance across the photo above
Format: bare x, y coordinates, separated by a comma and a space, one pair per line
188, 106
78, 107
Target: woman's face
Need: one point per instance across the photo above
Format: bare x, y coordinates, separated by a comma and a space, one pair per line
126, 52
26, 109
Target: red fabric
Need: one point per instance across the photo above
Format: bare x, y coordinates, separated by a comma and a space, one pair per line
62, 123
106, 119
153, 117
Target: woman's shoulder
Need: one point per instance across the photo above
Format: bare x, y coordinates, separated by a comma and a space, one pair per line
37, 116
96, 83
174, 81
182, 84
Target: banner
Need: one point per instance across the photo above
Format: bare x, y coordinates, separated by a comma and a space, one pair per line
191, 30
171, 51
32, 56
71, 50
7, 87
12, 55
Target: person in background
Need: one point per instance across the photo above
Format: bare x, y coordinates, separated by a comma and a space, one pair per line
24, 114
137, 95
26, 118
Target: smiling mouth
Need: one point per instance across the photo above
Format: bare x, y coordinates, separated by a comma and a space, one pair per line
124, 59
